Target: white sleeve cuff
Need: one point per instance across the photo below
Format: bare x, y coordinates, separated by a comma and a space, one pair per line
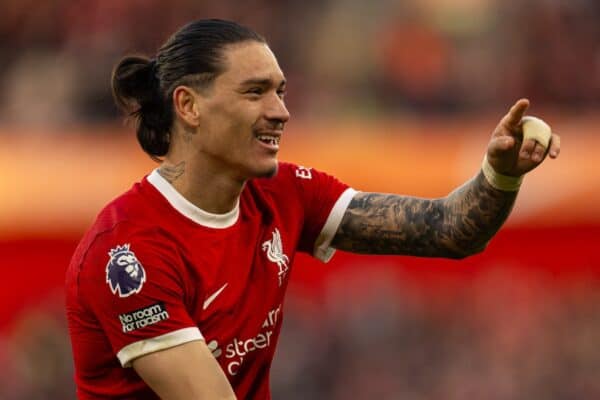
322, 250
162, 342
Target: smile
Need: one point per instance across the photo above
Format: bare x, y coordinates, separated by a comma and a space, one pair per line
269, 139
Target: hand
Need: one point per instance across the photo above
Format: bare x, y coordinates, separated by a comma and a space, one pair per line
507, 153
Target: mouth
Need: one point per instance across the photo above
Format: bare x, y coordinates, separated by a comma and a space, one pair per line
269, 139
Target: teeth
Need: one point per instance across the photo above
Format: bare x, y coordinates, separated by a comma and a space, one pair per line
272, 140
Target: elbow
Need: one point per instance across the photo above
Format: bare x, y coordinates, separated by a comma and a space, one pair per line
460, 255
464, 252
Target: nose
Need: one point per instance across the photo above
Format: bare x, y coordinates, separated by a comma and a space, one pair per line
276, 110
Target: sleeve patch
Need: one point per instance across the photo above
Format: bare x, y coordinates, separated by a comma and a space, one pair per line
143, 317
124, 273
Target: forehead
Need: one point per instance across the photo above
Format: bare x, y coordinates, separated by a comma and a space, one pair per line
249, 60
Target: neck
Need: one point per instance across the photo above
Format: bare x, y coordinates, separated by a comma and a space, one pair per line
212, 191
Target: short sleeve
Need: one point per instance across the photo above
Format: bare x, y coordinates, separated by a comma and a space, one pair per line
325, 200
134, 284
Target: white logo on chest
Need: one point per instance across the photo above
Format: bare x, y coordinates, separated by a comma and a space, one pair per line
274, 249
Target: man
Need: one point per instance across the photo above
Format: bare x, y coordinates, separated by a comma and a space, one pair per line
177, 289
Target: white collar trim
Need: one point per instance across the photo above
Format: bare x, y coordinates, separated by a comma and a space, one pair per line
189, 210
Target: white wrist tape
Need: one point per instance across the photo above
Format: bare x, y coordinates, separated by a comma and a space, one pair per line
501, 182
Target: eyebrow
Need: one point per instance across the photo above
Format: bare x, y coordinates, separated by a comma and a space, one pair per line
261, 82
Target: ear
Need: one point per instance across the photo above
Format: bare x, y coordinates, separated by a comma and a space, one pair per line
186, 105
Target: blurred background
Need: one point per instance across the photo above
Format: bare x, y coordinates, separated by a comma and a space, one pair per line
391, 96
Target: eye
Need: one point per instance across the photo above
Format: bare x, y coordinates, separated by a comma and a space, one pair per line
255, 91
281, 93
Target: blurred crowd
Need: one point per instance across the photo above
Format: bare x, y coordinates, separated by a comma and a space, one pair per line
372, 337
499, 338
341, 57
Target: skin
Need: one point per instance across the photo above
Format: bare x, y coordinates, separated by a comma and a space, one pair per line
459, 225
215, 149
162, 371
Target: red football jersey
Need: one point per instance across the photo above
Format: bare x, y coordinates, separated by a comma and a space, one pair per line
155, 271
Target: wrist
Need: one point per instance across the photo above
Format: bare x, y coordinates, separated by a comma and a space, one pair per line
499, 181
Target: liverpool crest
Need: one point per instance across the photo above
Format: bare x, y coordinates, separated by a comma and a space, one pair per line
274, 249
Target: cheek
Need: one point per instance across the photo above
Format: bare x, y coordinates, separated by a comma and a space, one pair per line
230, 118
244, 115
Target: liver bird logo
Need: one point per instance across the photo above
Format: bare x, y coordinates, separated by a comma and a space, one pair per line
274, 249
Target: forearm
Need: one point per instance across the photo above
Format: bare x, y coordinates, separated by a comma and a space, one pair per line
456, 226
473, 214
187, 371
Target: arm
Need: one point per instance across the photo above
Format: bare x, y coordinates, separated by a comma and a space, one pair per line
456, 226
184, 372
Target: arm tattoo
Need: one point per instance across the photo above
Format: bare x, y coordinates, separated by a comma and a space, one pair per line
172, 172
456, 226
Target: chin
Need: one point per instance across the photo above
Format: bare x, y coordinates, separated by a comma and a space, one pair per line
266, 171
270, 172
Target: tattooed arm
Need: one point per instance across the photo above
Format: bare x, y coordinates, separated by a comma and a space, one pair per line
456, 226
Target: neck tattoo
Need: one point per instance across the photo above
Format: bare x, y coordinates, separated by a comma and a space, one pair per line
172, 172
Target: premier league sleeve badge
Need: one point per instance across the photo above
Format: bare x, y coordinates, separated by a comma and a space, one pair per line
124, 273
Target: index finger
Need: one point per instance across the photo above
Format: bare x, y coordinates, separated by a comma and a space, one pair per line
516, 112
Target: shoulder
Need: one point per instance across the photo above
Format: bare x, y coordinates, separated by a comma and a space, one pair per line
134, 236
134, 204
291, 169
137, 209
282, 188
127, 219
304, 182
288, 174
122, 256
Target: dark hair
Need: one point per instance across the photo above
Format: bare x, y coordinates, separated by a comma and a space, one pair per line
143, 87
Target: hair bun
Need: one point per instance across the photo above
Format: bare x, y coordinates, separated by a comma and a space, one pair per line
136, 89
134, 82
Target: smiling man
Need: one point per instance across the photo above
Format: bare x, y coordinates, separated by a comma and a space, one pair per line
176, 291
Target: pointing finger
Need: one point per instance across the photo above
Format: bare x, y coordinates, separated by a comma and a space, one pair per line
516, 112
